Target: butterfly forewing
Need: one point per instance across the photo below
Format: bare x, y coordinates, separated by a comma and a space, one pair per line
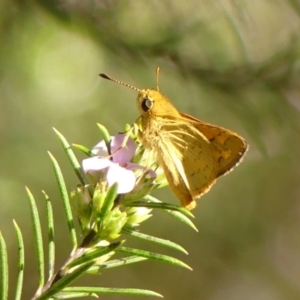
186, 157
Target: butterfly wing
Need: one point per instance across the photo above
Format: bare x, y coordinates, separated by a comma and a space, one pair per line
186, 157
229, 147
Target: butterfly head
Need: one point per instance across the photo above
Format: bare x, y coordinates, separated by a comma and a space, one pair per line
153, 103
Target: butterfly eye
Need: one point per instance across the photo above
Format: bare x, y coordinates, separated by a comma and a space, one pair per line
146, 104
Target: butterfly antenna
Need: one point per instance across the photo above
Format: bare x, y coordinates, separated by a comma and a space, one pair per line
157, 74
119, 82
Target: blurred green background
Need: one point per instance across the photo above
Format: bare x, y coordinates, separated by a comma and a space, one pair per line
231, 63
